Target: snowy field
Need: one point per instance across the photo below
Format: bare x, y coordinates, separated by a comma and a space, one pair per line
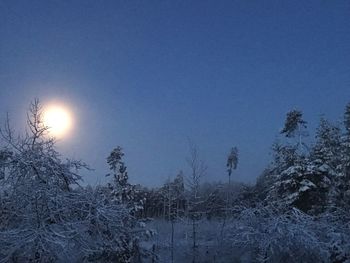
210, 248
256, 235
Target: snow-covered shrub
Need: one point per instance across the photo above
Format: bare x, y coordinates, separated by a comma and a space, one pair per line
274, 237
334, 229
74, 226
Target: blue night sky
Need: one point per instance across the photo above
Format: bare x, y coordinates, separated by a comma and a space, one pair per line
148, 75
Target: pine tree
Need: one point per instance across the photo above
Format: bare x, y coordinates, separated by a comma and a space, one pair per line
232, 161
284, 156
289, 171
118, 167
295, 127
325, 162
121, 190
344, 184
346, 144
327, 150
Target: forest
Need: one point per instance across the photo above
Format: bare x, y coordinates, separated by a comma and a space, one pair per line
297, 211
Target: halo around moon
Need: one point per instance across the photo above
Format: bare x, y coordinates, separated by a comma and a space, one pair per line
58, 119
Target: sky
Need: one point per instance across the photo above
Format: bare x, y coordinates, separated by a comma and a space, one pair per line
150, 75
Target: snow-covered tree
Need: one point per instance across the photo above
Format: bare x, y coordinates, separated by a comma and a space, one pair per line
117, 166
344, 184
308, 181
5, 155
173, 195
287, 153
346, 143
121, 190
295, 128
284, 156
325, 159
294, 125
289, 172
194, 202
45, 215
173, 198
327, 150
34, 182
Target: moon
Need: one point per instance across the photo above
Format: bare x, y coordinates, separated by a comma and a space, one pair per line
58, 120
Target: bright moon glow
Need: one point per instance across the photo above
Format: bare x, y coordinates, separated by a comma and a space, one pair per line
58, 120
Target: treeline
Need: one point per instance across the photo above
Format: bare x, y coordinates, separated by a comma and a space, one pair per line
171, 199
299, 205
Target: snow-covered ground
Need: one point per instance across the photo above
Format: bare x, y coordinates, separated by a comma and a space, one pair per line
210, 246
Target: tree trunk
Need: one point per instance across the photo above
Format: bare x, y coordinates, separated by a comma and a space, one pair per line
172, 240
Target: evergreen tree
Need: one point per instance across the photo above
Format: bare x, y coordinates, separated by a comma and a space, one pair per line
117, 166
344, 184
284, 156
232, 161
327, 150
121, 190
289, 171
346, 144
295, 127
